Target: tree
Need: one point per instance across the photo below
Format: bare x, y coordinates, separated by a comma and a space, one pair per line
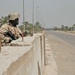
37, 27
25, 25
55, 28
30, 27
62, 27
21, 27
66, 28
3, 20
73, 27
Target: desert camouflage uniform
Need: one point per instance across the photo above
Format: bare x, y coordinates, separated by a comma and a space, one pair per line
6, 27
9, 27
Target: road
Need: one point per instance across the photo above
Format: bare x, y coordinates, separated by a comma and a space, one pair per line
66, 37
63, 48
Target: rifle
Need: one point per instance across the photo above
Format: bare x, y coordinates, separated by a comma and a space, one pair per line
9, 34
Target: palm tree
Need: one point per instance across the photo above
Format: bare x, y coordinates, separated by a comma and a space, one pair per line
3, 20
25, 25
21, 27
55, 28
66, 28
62, 27
73, 27
37, 27
29, 27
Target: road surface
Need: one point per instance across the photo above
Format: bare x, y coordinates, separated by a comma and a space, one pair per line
63, 48
66, 37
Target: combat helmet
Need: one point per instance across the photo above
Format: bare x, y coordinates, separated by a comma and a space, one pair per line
13, 16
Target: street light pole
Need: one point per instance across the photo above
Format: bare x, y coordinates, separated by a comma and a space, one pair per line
33, 15
23, 15
37, 14
23, 23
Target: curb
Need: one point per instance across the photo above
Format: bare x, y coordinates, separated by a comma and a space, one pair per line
50, 68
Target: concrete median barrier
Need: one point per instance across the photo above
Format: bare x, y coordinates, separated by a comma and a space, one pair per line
23, 57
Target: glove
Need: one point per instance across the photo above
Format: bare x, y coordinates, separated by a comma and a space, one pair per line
10, 34
7, 40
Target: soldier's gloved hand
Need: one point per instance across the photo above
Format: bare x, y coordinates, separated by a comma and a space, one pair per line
7, 40
10, 40
10, 34
25, 33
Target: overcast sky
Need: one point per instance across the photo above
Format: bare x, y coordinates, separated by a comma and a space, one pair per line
50, 13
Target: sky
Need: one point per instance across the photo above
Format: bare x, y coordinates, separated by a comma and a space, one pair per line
50, 13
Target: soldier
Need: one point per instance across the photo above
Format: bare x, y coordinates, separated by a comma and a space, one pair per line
10, 30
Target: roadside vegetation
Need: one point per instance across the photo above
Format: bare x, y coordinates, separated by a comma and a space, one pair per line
29, 27
65, 28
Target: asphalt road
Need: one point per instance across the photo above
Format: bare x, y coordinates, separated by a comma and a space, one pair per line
69, 38
63, 49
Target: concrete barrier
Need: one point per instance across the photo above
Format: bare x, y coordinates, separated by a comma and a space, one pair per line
23, 57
